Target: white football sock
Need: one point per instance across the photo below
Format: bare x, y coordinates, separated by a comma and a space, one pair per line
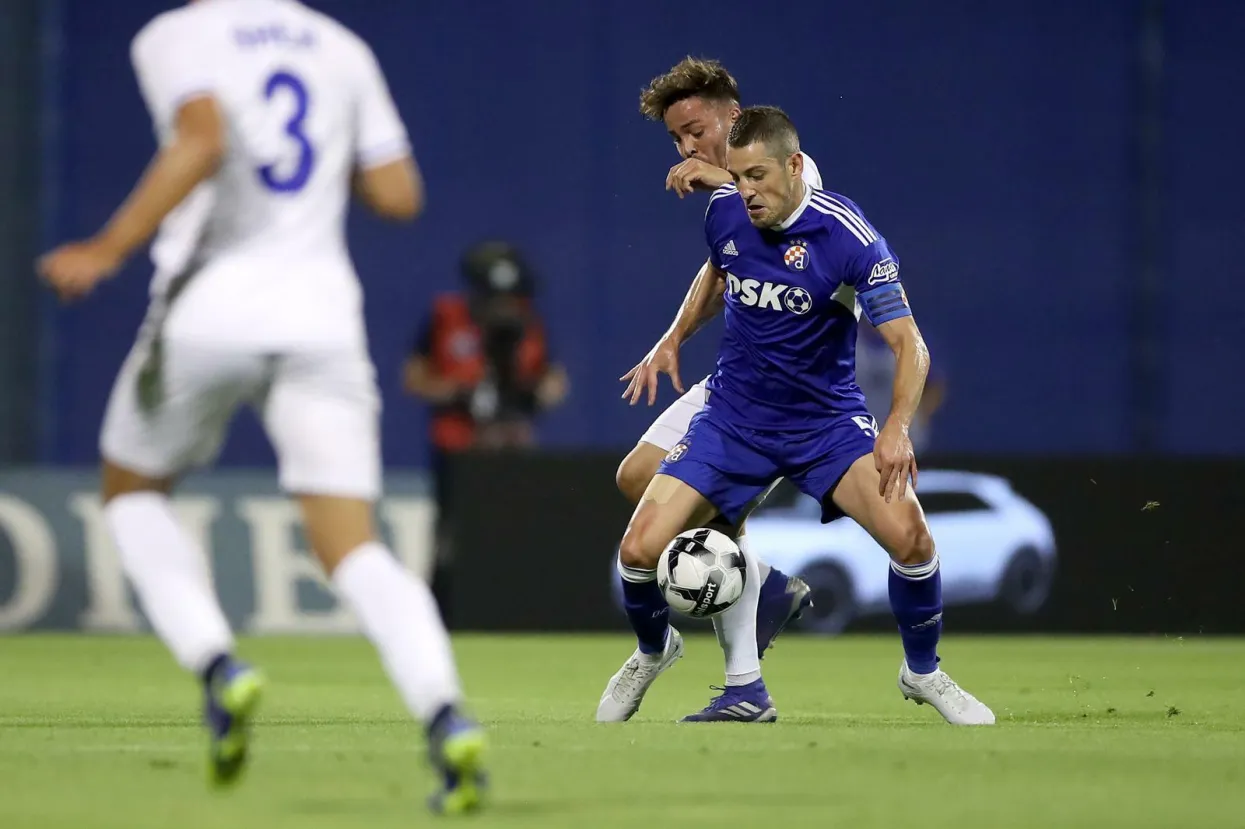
737, 627
170, 576
398, 613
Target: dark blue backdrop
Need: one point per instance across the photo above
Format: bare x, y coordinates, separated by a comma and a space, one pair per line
993, 143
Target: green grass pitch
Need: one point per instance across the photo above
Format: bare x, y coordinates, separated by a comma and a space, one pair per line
103, 732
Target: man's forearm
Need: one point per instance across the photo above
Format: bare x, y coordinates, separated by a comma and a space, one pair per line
176, 171
702, 303
911, 369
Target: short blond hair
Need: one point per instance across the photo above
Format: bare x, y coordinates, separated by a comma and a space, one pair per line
689, 78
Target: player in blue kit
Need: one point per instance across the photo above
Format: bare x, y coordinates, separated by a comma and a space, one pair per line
793, 266
697, 101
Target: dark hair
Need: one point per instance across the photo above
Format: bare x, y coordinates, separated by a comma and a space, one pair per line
689, 78
495, 267
768, 125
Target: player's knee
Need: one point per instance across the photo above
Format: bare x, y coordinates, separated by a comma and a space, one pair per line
633, 476
116, 480
336, 527
637, 551
914, 545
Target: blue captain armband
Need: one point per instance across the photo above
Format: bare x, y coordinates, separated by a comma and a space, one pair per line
885, 303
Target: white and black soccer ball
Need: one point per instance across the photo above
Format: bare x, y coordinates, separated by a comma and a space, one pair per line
701, 573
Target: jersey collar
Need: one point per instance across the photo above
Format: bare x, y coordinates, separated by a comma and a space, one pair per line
786, 223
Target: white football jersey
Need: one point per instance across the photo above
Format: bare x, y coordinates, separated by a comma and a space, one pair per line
305, 104
812, 176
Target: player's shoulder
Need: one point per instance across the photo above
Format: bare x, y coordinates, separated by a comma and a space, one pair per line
337, 33
170, 25
843, 218
725, 214
194, 26
721, 193
721, 200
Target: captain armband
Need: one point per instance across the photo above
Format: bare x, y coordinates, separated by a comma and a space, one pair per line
884, 303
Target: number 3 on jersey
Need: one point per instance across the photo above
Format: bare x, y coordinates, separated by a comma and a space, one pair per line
297, 178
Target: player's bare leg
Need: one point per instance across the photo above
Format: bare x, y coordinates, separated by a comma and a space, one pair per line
399, 615
174, 586
761, 615
668, 507
915, 590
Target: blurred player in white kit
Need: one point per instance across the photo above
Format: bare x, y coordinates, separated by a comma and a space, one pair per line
267, 114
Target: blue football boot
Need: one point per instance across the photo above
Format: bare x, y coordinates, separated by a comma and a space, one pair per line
783, 599
232, 692
456, 747
739, 703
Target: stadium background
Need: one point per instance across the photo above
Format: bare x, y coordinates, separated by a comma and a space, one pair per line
1061, 179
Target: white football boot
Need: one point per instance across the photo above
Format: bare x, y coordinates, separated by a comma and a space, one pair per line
626, 689
956, 705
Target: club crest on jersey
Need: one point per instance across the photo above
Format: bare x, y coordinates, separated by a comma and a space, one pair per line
885, 271
796, 256
676, 453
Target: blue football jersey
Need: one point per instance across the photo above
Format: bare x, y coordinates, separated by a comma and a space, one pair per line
793, 296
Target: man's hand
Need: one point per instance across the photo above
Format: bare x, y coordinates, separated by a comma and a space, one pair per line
895, 461
441, 391
694, 174
552, 388
75, 269
664, 357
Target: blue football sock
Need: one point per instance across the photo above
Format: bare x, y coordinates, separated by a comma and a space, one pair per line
916, 601
646, 608
774, 586
214, 667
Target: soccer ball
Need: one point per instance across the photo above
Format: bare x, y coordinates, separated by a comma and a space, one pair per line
701, 573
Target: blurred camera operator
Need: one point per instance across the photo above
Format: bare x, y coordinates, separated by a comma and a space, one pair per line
481, 359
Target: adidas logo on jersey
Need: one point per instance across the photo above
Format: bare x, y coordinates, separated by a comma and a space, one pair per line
729, 249
774, 296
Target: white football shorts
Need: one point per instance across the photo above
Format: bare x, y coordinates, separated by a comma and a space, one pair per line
173, 400
671, 425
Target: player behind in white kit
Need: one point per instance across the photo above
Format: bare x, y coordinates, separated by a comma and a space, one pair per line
698, 101
267, 113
